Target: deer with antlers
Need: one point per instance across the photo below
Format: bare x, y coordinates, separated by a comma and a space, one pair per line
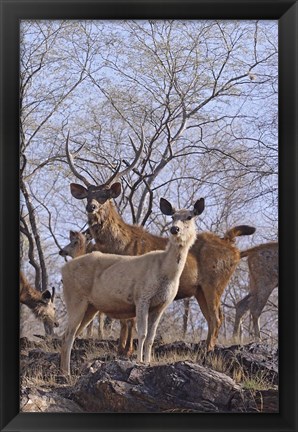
40, 303
262, 263
210, 262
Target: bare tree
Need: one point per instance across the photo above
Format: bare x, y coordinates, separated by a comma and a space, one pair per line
205, 94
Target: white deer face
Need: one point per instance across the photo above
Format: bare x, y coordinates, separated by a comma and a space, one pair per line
183, 226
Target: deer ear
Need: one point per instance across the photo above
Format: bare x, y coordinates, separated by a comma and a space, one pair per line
78, 191
46, 296
115, 190
71, 235
166, 207
199, 206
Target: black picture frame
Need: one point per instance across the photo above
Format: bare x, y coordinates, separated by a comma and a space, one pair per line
286, 12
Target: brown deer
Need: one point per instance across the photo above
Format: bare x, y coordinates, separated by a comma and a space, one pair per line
129, 286
41, 303
210, 262
81, 244
262, 263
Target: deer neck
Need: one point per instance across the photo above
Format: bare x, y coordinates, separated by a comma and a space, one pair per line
28, 295
176, 255
110, 232
80, 251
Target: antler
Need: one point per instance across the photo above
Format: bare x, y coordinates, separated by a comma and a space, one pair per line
117, 175
114, 175
71, 164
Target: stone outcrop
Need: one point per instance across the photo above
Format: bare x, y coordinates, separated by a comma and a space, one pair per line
104, 383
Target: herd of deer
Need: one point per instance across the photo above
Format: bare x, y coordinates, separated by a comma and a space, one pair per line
132, 275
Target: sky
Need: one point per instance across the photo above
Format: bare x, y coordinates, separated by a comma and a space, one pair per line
102, 79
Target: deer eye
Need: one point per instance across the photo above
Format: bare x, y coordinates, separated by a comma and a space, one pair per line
189, 217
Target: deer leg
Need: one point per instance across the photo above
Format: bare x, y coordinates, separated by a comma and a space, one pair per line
213, 297
213, 302
88, 317
74, 320
101, 321
221, 318
256, 326
89, 329
212, 316
153, 321
256, 305
142, 310
200, 297
186, 303
123, 337
241, 308
108, 323
128, 350
213, 328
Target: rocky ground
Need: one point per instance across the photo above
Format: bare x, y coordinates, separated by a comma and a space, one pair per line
181, 378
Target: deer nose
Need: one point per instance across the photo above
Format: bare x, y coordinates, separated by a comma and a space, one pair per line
90, 208
174, 230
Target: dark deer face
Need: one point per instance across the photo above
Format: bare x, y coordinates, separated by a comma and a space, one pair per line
96, 196
48, 310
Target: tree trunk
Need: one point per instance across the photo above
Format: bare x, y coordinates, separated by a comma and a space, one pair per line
43, 283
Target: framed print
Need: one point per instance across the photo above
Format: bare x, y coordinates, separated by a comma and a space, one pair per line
148, 218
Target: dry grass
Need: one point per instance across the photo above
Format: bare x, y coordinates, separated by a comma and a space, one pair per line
218, 362
260, 381
214, 361
45, 371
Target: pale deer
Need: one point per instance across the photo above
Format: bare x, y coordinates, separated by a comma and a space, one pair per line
80, 244
133, 286
40, 303
209, 265
262, 263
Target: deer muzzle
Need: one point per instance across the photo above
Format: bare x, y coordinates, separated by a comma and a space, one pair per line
174, 230
90, 208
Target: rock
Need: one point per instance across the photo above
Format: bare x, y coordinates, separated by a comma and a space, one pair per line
176, 348
37, 400
254, 359
122, 386
251, 359
267, 400
101, 383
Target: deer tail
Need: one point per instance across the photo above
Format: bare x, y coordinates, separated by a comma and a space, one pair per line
237, 231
